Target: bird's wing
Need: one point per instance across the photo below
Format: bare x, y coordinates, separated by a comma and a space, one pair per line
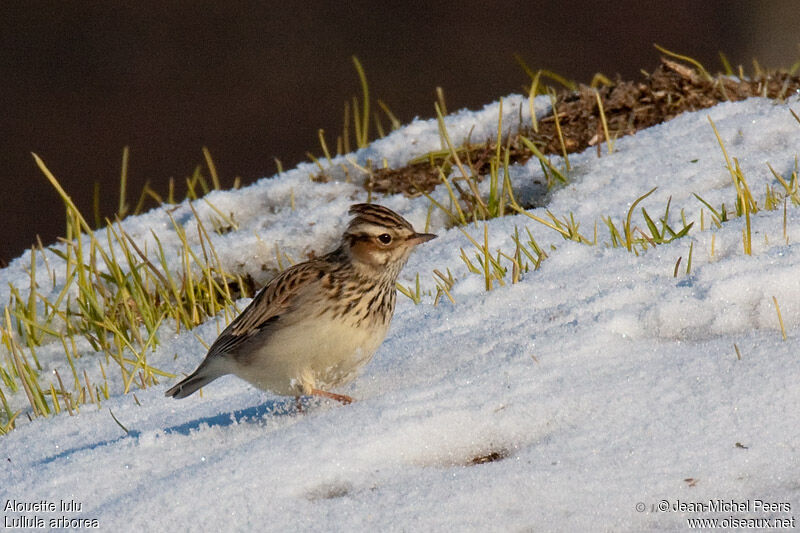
266, 308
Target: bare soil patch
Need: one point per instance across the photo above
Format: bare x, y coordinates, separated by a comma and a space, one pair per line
629, 106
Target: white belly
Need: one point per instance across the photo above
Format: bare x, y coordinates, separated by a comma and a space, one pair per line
316, 353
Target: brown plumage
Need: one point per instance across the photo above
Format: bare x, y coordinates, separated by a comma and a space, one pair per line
317, 323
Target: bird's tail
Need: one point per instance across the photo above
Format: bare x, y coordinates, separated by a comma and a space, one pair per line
201, 377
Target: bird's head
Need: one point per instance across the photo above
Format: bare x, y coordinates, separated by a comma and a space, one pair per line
380, 239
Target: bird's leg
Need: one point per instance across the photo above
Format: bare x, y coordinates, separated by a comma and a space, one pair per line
298, 404
332, 395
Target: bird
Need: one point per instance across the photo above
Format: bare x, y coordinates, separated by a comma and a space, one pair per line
316, 324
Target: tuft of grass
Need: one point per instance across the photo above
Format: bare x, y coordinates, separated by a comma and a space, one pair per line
443, 285
666, 234
627, 239
414, 294
745, 203
116, 297
357, 121
495, 266
197, 185
488, 265
790, 188
627, 227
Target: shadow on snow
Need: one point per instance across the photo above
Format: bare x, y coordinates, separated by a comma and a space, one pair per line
241, 416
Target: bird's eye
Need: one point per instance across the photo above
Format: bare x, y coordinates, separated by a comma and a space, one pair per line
385, 238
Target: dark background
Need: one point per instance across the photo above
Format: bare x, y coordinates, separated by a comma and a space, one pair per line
254, 81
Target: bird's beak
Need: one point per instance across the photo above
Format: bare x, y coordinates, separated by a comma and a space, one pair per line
419, 238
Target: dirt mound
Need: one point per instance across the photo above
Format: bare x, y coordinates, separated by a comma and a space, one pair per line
628, 106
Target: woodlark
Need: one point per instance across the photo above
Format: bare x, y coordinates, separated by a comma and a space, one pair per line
317, 323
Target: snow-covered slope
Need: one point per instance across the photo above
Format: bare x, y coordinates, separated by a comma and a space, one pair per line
601, 385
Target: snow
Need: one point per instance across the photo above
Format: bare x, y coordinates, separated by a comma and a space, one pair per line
598, 382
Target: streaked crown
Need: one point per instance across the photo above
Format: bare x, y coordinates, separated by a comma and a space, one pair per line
378, 236
367, 215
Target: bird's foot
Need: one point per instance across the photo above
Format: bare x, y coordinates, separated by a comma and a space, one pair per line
332, 395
